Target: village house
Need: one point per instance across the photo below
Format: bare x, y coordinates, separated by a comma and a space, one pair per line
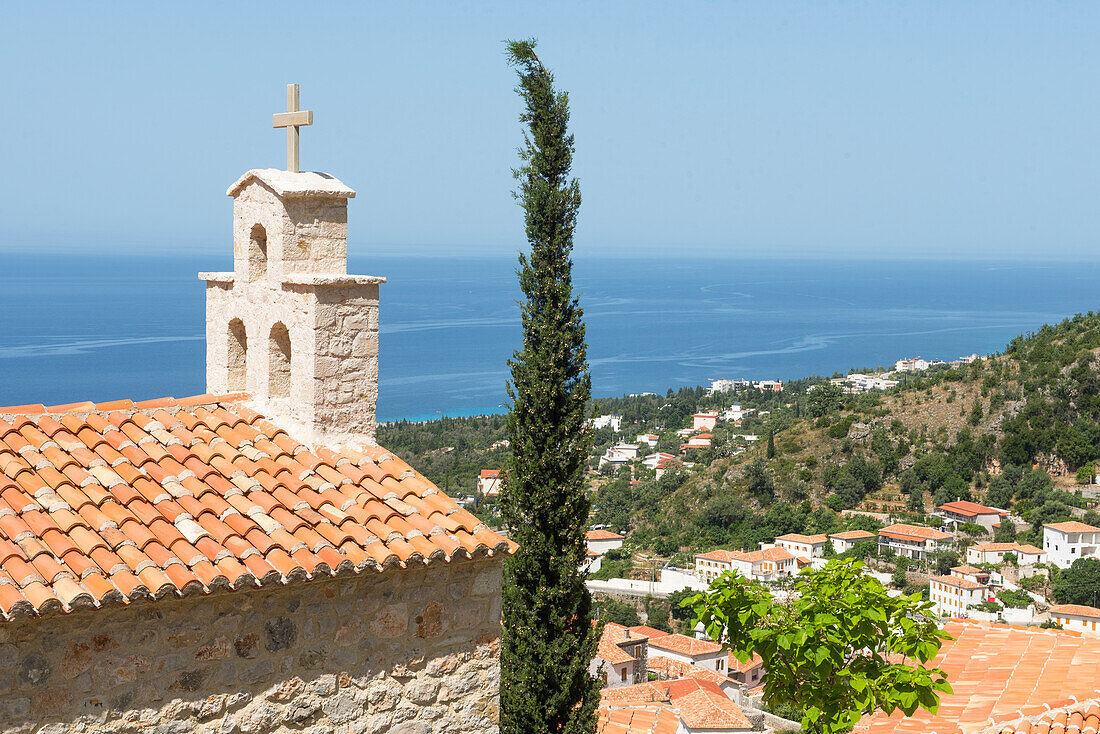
911, 364
700, 653
952, 595
913, 541
1065, 542
698, 441
750, 673
620, 454
601, 541
845, 541
679, 706
768, 385
806, 546
768, 564
654, 460
962, 511
1026, 555
246, 560
488, 484
621, 657
1076, 617
649, 439
735, 414
614, 421
726, 386
668, 669
704, 421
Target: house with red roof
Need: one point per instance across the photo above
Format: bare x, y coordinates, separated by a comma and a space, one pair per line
705, 421
248, 559
1076, 617
700, 653
806, 546
488, 483
767, 564
1065, 542
846, 540
953, 595
963, 511
622, 657
700, 705
1026, 554
913, 541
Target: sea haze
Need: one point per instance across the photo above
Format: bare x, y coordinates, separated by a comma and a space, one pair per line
104, 327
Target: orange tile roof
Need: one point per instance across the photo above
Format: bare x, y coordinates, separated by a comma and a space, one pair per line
910, 532
810, 539
490, 473
1000, 673
724, 556
741, 667
700, 704
608, 648
1072, 527
685, 645
970, 509
967, 569
1005, 547
668, 668
110, 503
852, 535
958, 582
637, 719
1078, 609
602, 535
1076, 718
768, 554
648, 632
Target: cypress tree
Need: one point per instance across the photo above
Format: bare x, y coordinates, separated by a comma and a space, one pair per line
548, 640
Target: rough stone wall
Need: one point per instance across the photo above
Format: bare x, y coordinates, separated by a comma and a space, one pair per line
406, 651
346, 348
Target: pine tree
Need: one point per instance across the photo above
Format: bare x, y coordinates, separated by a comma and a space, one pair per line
548, 638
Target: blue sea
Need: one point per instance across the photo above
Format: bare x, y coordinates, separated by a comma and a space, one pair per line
97, 328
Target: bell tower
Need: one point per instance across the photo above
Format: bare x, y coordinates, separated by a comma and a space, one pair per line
289, 325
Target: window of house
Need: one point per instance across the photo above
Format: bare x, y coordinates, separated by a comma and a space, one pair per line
622, 677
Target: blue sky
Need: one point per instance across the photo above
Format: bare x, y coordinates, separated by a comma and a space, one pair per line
703, 129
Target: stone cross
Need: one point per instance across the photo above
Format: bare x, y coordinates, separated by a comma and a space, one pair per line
292, 119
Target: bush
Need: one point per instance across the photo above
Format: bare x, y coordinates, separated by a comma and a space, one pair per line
1014, 599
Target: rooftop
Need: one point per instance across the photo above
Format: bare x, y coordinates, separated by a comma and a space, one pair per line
958, 582
768, 554
852, 535
1005, 547
700, 704
288, 183
906, 531
970, 509
669, 668
1072, 527
638, 719
608, 648
684, 645
1001, 673
811, 539
602, 535
111, 503
1077, 609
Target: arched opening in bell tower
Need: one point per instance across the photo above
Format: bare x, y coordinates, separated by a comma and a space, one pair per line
237, 357
257, 252
278, 385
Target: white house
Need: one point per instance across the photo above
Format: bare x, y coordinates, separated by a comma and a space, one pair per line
1076, 617
613, 421
619, 454
951, 596
961, 511
665, 464
654, 460
488, 484
912, 364
621, 657
704, 421
1065, 542
807, 546
768, 385
698, 441
847, 540
1026, 555
726, 385
767, 564
913, 541
650, 439
601, 541
705, 654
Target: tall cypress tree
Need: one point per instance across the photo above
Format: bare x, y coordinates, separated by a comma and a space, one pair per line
548, 640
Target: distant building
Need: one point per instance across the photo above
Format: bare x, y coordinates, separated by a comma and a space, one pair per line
735, 413
680, 706
668, 669
913, 541
699, 441
619, 454
857, 383
1076, 617
963, 511
621, 657
1026, 555
726, 385
843, 542
704, 421
769, 385
614, 421
809, 546
700, 653
911, 364
1065, 542
488, 484
601, 541
749, 673
768, 564
951, 596
654, 460
650, 439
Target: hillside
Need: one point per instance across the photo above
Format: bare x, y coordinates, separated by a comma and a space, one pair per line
1012, 431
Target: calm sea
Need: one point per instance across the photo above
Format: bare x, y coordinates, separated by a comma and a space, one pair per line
79, 327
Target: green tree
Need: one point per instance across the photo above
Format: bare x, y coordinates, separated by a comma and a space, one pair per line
843, 648
771, 445
617, 612
824, 399
547, 640
1079, 584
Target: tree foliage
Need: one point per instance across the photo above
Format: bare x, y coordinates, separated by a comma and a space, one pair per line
548, 639
1079, 584
842, 649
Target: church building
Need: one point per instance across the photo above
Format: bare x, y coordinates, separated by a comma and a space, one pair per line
248, 560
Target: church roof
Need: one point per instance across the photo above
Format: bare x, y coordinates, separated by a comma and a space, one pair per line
286, 183
114, 503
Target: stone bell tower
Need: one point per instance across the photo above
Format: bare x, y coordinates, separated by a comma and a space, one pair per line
289, 325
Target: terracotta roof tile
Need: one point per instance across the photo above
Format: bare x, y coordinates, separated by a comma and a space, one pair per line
701, 704
1002, 673
114, 502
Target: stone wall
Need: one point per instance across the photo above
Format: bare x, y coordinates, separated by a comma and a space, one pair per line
410, 651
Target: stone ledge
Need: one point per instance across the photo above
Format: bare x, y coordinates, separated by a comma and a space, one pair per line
317, 280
